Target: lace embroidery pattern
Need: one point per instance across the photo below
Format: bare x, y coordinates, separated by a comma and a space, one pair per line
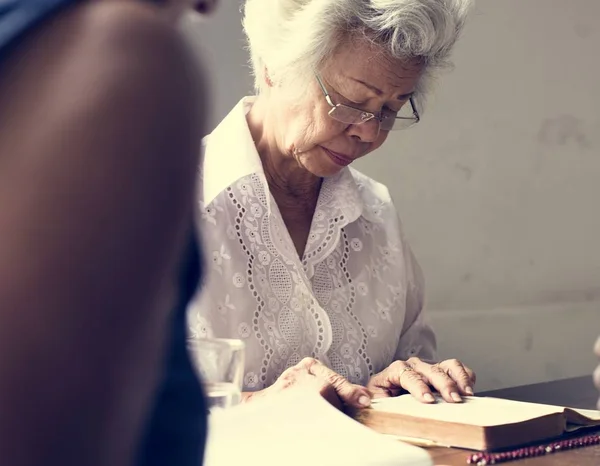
279, 319
348, 353
251, 233
330, 217
347, 309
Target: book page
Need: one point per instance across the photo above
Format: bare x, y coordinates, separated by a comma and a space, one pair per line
476, 411
577, 418
591, 414
297, 428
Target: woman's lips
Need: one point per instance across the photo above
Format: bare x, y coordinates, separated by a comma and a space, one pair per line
340, 159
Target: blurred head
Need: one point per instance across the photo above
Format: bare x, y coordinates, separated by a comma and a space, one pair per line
376, 56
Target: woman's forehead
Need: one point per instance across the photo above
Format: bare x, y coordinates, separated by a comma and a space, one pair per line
366, 63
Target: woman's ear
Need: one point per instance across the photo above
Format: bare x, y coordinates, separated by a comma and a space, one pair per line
268, 80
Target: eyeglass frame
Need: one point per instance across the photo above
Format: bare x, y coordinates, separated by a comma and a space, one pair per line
364, 115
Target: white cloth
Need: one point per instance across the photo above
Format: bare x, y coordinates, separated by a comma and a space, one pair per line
299, 428
354, 301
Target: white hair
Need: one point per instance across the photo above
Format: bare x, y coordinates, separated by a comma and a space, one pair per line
292, 38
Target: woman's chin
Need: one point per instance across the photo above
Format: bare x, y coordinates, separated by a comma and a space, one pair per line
320, 168
329, 166
325, 172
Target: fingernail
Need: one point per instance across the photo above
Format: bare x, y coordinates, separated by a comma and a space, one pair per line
455, 396
364, 401
428, 397
469, 390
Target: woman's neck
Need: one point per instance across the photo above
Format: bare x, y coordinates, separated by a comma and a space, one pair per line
288, 180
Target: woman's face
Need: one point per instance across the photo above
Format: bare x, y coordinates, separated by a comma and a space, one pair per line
359, 76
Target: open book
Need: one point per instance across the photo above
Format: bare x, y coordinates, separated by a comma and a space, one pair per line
479, 423
298, 428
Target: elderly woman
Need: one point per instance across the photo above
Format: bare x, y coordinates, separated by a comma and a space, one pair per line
307, 256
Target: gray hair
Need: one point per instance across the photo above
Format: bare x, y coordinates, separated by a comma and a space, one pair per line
293, 38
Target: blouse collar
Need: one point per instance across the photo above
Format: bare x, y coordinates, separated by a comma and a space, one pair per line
230, 155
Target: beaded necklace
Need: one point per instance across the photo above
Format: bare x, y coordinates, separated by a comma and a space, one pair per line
484, 459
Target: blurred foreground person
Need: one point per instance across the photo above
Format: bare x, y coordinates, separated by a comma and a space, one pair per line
99, 130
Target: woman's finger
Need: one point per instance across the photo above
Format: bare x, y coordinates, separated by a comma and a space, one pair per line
437, 377
472, 375
462, 375
402, 374
350, 394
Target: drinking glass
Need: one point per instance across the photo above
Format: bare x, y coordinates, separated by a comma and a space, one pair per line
220, 364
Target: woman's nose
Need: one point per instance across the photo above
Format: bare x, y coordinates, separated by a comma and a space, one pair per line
367, 131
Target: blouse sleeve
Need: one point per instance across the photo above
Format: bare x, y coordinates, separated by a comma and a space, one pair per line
417, 337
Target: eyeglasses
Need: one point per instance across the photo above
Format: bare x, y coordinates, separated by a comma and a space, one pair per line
388, 119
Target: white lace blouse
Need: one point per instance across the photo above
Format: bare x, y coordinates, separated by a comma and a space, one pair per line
354, 301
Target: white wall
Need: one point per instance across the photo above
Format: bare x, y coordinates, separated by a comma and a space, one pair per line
498, 186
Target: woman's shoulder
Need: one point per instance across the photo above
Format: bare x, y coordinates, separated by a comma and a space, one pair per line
378, 204
372, 191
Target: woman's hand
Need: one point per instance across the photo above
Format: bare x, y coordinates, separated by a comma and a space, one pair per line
597, 371
451, 378
312, 375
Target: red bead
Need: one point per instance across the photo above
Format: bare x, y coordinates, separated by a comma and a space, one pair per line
484, 459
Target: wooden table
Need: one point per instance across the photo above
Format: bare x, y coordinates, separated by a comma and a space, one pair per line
577, 392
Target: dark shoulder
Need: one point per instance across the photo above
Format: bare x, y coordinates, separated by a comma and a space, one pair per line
135, 46
132, 28
112, 62
123, 24
108, 43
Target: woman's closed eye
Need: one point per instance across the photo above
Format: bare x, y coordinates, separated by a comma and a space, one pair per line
392, 112
362, 104
351, 102
385, 111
